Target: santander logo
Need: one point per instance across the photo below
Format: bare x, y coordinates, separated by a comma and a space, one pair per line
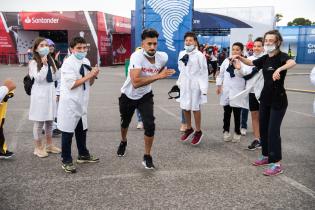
36, 20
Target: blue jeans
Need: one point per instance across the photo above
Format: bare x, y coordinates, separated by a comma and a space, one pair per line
244, 118
66, 141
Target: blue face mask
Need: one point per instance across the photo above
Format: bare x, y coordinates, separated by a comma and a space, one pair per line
43, 51
80, 55
189, 48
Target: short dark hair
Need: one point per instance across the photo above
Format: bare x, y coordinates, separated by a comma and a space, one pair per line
239, 44
276, 33
77, 40
190, 34
149, 33
259, 39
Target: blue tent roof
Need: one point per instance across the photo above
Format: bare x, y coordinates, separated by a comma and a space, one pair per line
203, 20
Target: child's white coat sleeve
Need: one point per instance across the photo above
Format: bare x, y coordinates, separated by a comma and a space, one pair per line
203, 80
220, 77
68, 74
39, 76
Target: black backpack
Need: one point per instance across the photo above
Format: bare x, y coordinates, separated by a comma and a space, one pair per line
28, 84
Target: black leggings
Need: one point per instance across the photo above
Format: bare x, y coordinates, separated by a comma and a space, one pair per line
270, 120
127, 107
227, 118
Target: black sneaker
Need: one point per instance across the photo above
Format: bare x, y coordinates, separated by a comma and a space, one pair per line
122, 149
254, 145
56, 132
7, 155
87, 159
69, 167
148, 162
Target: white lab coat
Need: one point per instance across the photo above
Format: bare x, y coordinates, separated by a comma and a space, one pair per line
43, 94
193, 80
73, 103
312, 76
253, 85
231, 85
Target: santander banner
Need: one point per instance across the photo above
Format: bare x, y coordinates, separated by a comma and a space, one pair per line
51, 20
7, 44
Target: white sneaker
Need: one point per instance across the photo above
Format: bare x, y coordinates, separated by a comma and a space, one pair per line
140, 125
236, 138
226, 136
243, 131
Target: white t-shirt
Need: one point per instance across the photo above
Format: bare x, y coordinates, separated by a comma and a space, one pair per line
3, 92
139, 61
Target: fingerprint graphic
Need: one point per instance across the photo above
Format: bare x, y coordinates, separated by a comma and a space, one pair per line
172, 13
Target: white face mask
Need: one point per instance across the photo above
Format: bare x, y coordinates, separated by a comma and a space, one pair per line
148, 55
270, 48
43, 51
189, 48
259, 55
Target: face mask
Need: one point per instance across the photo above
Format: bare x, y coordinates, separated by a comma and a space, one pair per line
189, 48
80, 55
250, 53
259, 55
270, 48
149, 55
43, 51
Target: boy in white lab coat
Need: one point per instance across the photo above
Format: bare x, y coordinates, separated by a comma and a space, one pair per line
74, 97
193, 84
229, 83
8, 86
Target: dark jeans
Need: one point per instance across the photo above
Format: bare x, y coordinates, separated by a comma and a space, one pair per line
270, 122
66, 141
2, 140
244, 118
227, 118
127, 108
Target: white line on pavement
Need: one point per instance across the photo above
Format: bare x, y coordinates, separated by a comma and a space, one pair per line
301, 113
13, 142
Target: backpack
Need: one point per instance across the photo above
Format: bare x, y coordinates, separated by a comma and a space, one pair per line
28, 84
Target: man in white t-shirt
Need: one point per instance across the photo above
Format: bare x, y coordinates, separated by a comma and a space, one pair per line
146, 66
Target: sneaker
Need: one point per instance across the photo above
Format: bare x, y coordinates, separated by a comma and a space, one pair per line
273, 170
69, 167
39, 152
197, 138
236, 138
183, 127
261, 161
6, 155
140, 125
52, 149
226, 136
254, 145
243, 131
187, 135
122, 149
148, 162
56, 132
87, 159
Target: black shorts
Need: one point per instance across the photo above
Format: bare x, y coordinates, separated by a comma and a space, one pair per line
253, 103
127, 108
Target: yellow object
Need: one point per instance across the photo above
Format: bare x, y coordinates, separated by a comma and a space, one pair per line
3, 112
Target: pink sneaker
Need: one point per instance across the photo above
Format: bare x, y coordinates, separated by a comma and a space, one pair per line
261, 161
197, 138
188, 133
273, 170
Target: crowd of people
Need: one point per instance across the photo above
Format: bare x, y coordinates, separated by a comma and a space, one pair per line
253, 82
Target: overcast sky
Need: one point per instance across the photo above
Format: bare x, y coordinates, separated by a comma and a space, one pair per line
290, 9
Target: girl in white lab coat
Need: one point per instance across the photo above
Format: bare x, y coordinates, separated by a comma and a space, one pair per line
193, 84
43, 96
229, 83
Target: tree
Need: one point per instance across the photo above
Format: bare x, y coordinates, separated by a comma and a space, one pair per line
278, 17
300, 22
